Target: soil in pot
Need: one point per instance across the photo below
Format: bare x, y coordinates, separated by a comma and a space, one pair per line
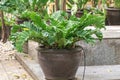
112, 16
59, 64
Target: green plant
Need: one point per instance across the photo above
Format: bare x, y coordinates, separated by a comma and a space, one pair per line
16, 7
95, 2
11, 6
113, 3
80, 3
117, 3
57, 30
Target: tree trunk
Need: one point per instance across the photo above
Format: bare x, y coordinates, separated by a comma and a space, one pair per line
57, 4
4, 29
63, 5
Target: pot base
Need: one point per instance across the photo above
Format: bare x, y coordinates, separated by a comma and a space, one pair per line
63, 79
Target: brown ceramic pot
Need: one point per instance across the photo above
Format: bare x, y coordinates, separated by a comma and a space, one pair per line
59, 64
79, 13
112, 16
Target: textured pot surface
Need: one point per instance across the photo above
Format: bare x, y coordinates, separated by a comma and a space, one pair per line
113, 16
59, 64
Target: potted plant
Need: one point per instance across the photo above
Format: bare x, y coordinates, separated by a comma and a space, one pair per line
16, 8
113, 13
59, 55
38, 6
76, 7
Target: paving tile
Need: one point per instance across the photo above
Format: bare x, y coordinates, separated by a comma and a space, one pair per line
12, 70
3, 74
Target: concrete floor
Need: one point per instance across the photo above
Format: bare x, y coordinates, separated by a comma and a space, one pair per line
12, 70
105, 72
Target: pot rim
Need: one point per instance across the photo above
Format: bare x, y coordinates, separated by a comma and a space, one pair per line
78, 11
77, 49
112, 8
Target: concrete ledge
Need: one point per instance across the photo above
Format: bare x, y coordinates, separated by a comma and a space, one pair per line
109, 72
32, 46
111, 32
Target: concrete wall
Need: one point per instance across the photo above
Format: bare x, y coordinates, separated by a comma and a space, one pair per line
106, 52
32, 49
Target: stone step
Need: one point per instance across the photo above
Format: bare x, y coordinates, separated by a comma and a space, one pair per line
105, 72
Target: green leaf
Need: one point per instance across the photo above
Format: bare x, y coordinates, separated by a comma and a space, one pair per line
99, 35
21, 39
59, 15
58, 31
